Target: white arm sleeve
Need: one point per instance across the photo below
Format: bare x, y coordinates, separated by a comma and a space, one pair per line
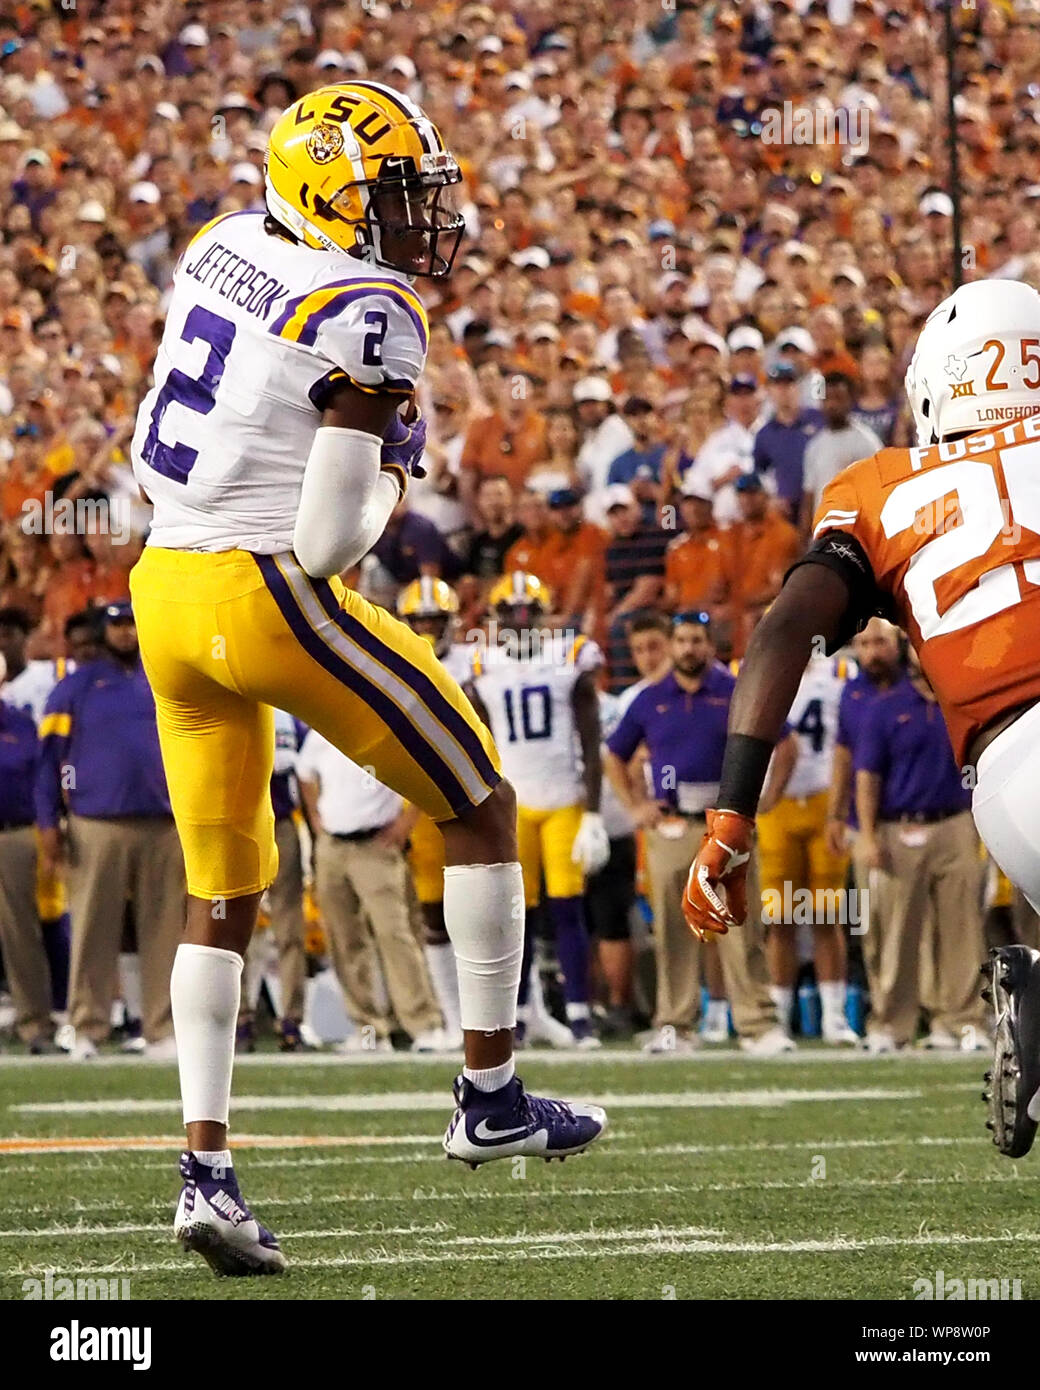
345, 502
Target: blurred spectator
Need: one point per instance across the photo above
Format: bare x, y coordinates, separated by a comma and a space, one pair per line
635, 575
729, 452
920, 841
779, 449
841, 441
762, 547
25, 960
698, 569
878, 404
119, 840
362, 829
529, 551
509, 441
573, 562
605, 435
682, 721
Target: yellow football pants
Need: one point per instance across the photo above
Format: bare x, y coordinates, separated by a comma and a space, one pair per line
226, 639
546, 840
792, 848
426, 861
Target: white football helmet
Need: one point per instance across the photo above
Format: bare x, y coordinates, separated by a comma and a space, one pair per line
977, 360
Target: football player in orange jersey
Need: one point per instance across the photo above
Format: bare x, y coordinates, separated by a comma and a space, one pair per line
945, 539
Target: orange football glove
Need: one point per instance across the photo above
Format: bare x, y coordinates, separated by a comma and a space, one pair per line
722, 861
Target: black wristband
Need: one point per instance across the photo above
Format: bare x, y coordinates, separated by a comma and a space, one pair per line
743, 773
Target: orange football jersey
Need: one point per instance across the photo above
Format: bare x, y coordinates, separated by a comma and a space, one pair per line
952, 537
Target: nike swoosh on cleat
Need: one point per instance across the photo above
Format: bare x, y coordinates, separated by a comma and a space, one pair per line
495, 1136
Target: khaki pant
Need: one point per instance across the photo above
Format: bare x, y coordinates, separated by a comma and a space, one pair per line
678, 952
934, 872
285, 898
21, 940
127, 857
357, 880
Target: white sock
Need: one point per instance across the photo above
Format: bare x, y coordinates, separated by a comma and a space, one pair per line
783, 1000
491, 1078
204, 993
832, 1002
440, 961
484, 915
130, 983
575, 1012
717, 1017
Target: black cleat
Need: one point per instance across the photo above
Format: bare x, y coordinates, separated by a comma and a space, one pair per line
1014, 973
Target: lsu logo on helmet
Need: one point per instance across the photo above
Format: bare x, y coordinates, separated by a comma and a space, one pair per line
358, 168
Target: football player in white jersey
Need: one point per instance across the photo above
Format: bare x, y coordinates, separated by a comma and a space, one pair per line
280, 433
537, 690
429, 606
802, 878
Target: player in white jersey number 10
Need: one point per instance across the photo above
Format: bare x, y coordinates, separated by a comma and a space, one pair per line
536, 688
280, 433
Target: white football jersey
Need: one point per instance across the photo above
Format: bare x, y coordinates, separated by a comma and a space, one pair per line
814, 718
30, 690
258, 332
532, 718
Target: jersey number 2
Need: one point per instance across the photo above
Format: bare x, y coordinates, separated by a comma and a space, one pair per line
984, 517
199, 394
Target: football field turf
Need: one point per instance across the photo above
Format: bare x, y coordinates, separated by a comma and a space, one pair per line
807, 1177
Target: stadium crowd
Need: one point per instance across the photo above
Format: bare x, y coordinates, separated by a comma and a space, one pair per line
701, 240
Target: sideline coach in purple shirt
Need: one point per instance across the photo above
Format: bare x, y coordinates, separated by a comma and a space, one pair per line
919, 839
681, 721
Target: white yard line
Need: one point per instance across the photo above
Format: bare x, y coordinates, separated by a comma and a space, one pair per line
566, 1246
423, 1101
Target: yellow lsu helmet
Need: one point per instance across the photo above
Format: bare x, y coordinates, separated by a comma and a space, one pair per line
358, 167
428, 606
520, 590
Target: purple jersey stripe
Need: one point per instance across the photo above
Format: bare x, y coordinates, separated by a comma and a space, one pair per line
422, 753
351, 291
442, 710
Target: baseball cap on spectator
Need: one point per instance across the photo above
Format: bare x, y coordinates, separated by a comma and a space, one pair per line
533, 258
592, 388
399, 63
144, 192
748, 482
329, 58
693, 486
193, 36
119, 612
851, 273
91, 211
798, 251
109, 362
617, 495
244, 172
490, 43
15, 318
168, 111
564, 497
660, 229
796, 337
555, 43
936, 203
745, 339
11, 131
637, 405
544, 67
40, 157
518, 80
498, 338
152, 62
783, 371
543, 332
742, 384
234, 101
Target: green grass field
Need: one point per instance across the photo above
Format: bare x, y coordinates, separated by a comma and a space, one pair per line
807, 1177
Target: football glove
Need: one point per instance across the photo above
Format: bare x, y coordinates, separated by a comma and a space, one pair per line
722, 862
591, 844
403, 447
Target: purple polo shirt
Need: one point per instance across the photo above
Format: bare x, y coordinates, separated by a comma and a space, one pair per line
684, 731
904, 739
19, 749
856, 699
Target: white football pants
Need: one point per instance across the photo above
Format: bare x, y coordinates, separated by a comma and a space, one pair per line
1006, 802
